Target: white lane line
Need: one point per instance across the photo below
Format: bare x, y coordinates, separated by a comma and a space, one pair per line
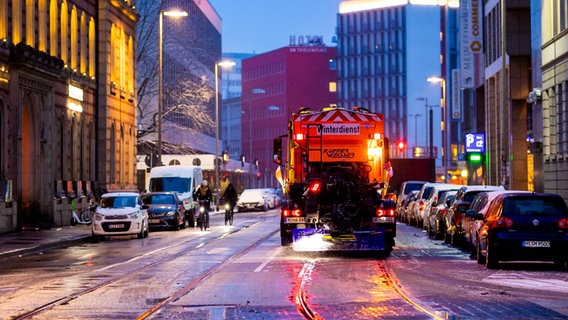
268, 260
130, 260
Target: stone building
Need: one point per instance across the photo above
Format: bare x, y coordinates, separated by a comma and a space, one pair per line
67, 112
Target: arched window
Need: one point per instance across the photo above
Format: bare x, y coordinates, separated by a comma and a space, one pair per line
92, 39
74, 33
84, 39
53, 34
64, 30
112, 149
30, 23
16, 22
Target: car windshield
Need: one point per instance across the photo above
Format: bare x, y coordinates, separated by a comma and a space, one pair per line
469, 196
171, 184
412, 186
118, 202
158, 199
531, 205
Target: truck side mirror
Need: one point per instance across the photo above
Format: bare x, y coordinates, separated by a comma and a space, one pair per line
277, 150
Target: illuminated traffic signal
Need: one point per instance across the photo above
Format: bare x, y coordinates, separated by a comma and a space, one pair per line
401, 145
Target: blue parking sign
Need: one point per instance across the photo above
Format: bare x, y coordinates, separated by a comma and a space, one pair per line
475, 142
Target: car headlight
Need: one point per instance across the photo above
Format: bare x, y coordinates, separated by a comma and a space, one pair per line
99, 217
170, 213
134, 215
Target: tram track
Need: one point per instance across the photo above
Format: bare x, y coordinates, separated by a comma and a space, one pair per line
182, 249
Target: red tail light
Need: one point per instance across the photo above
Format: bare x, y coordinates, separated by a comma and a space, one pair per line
315, 186
421, 205
292, 213
443, 211
502, 222
563, 223
385, 212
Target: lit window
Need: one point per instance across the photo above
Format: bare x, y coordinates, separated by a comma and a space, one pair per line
333, 87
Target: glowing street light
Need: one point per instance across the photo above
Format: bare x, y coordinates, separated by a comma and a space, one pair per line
222, 64
169, 13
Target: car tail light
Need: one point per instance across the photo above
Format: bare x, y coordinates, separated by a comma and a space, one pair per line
421, 205
443, 211
291, 212
385, 212
315, 186
563, 223
502, 222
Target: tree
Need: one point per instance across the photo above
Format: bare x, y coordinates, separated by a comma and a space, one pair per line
188, 85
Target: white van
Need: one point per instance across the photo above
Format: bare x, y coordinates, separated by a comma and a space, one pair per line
180, 179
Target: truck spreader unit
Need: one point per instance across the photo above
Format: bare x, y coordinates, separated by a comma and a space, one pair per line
336, 174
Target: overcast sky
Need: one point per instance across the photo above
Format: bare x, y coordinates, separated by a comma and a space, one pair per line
258, 26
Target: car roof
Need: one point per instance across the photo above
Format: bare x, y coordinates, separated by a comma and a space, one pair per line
120, 194
482, 188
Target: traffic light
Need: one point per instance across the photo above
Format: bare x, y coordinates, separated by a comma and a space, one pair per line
401, 145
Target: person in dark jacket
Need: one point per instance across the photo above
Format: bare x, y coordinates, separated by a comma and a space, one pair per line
203, 193
230, 195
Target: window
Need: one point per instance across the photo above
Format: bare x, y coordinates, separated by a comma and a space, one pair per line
333, 87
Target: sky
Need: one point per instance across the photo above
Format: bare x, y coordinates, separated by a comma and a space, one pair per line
259, 26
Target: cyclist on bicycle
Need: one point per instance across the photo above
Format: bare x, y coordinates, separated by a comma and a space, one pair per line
230, 195
203, 192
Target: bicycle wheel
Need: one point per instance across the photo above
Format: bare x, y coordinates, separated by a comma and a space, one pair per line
201, 221
231, 218
206, 220
86, 215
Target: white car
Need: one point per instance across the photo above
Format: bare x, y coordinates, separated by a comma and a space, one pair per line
255, 199
120, 213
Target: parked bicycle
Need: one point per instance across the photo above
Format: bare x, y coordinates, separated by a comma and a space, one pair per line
84, 217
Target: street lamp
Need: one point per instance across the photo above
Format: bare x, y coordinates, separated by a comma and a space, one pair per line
252, 92
222, 64
169, 13
415, 127
435, 79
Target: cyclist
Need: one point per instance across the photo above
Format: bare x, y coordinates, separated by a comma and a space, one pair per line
230, 195
204, 194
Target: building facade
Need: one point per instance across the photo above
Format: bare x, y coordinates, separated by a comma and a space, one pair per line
67, 113
552, 98
385, 55
275, 84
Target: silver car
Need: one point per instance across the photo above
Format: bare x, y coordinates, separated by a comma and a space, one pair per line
120, 213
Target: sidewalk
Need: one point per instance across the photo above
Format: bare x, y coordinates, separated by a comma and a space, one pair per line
32, 240
27, 241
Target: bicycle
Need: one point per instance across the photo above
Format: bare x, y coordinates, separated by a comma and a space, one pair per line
203, 217
228, 213
84, 217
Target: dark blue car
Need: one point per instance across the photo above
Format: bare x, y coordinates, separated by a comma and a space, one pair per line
165, 210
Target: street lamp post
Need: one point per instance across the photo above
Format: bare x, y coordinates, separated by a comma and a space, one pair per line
415, 127
170, 13
252, 93
222, 64
435, 79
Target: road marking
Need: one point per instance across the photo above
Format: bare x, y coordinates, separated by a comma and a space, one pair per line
268, 260
130, 260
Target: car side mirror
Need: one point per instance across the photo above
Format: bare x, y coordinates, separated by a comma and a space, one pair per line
144, 207
470, 213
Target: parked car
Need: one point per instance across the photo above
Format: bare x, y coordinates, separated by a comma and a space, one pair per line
120, 213
405, 204
415, 217
436, 223
470, 225
277, 198
255, 199
524, 227
464, 197
405, 189
165, 210
435, 194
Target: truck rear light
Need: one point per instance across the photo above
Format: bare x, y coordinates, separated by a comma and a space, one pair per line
292, 213
385, 212
563, 223
299, 136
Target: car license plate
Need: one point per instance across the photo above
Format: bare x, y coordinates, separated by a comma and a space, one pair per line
295, 220
383, 219
154, 221
116, 226
536, 244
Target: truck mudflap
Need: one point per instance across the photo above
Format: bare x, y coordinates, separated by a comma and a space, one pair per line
312, 239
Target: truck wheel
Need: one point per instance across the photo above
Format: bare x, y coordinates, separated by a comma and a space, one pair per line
285, 241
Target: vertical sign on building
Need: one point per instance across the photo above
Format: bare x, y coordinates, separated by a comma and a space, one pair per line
456, 99
471, 37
